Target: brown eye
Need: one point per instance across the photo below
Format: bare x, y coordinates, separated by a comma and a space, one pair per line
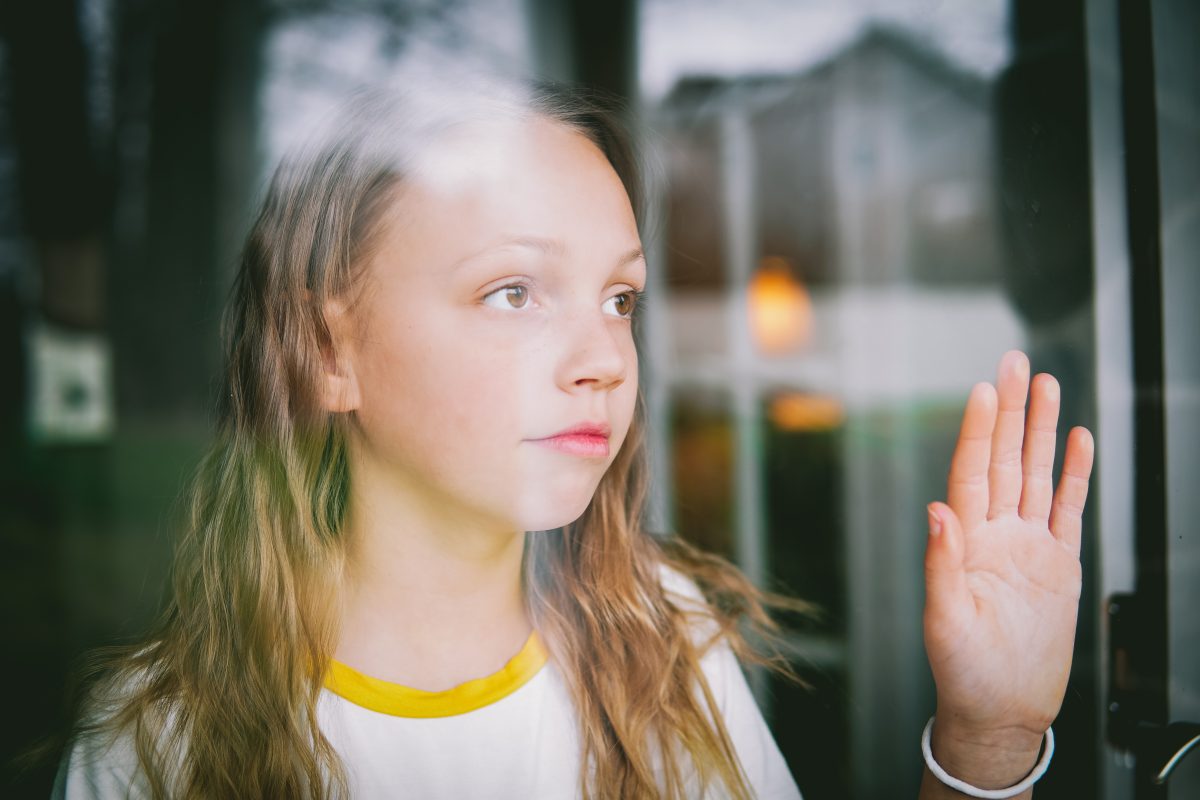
511, 297
626, 303
519, 296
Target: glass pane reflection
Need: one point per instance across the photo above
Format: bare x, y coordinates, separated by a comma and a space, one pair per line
803, 475
702, 469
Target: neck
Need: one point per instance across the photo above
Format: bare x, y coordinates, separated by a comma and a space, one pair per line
432, 591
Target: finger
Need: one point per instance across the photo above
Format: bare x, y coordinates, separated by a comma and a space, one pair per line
948, 602
1037, 491
1004, 475
967, 487
1066, 516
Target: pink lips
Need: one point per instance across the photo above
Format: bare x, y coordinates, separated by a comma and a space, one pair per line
589, 439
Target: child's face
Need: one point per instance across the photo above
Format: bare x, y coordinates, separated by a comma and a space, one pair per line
457, 378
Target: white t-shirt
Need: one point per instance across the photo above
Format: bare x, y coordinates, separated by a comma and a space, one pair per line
512, 734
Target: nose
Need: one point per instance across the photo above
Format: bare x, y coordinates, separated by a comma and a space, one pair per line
596, 351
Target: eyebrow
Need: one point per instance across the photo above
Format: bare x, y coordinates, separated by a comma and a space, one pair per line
549, 247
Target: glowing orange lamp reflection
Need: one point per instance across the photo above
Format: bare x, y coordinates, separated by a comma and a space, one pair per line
780, 308
797, 411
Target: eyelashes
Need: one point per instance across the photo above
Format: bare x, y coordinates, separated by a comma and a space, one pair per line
515, 296
634, 297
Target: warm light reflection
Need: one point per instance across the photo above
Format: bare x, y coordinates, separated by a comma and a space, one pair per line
797, 411
780, 308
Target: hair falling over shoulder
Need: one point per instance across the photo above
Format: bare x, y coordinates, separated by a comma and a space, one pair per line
221, 699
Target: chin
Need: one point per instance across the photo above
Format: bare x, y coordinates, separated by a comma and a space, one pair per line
546, 513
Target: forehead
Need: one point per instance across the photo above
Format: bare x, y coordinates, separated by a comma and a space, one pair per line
480, 150
528, 176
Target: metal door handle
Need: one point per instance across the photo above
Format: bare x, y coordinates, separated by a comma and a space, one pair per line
1132, 698
1166, 745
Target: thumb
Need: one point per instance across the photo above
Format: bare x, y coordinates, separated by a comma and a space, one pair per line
948, 602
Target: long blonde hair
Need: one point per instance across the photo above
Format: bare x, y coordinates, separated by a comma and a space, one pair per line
221, 699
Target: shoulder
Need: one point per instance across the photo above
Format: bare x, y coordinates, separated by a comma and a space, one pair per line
683, 593
756, 748
98, 766
717, 657
681, 586
101, 760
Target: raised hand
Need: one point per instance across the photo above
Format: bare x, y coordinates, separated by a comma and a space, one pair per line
1003, 576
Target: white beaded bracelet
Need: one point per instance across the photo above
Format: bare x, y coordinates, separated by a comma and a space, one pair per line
990, 794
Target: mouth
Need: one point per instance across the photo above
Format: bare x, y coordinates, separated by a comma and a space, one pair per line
577, 445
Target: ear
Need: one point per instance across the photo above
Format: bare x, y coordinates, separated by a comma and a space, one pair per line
339, 383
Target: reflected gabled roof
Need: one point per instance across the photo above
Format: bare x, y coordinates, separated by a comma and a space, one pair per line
698, 94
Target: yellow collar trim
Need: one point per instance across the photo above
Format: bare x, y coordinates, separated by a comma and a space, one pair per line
402, 701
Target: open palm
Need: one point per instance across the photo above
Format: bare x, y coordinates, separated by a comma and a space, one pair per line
1002, 564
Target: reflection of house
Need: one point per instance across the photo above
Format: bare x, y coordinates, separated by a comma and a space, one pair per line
870, 178
867, 183
871, 167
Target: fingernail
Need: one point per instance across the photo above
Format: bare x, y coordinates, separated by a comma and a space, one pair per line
935, 522
1021, 366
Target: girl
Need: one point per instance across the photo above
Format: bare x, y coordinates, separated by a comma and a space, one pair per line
414, 563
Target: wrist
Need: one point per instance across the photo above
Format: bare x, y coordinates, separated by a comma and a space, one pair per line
990, 759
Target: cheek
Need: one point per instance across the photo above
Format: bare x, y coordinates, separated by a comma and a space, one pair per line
440, 403
624, 399
482, 407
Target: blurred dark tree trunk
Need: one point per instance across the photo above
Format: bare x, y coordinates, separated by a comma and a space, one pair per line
197, 114
587, 43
